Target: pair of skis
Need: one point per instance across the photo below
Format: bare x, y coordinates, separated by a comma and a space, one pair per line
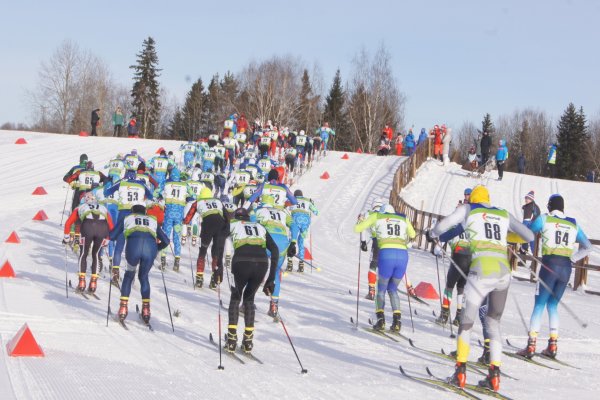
137, 310
238, 356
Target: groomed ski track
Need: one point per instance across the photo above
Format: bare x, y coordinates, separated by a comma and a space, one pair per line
85, 358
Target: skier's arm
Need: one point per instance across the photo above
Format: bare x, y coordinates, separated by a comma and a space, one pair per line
163, 240
68, 174
366, 223
71, 220
585, 246
73, 177
452, 233
410, 231
254, 196
313, 208
458, 216
290, 196
111, 189
538, 224
520, 229
117, 229
272, 247
190, 214
149, 194
152, 181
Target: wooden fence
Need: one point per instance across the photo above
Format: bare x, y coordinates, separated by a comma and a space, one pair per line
423, 220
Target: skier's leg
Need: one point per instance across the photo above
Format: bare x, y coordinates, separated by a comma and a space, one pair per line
496, 304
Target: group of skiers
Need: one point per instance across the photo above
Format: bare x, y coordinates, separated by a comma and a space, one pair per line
145, 206
478, 235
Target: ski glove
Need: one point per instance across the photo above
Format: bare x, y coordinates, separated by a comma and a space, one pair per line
219, 275
363, 245
269, 287
291, 252
66, 239
428, 236
437, 250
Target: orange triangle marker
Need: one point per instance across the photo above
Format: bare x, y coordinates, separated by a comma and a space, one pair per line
21, 141
359, 151
23, 344
13, 238
84, 133
39, 191
426, 290
345, 156
325, 175
307, 255
7, 270
40, 216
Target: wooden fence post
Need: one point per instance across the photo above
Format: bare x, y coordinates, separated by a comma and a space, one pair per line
580, 274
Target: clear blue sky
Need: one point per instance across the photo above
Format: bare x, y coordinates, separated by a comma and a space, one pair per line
454, 60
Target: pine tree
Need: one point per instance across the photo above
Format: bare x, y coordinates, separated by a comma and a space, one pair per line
573, 139
176, 129
487, 125
304, 103
194, 110
214, 119
145, 92
335, 113
229, 92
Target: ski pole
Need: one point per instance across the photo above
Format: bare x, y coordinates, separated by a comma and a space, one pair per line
437, 265
409, 305
220, 346
167, 296
449, 311
358, 282
65, 206
307, 263
192, 265
66, 273
302, 369
583, 324
108, 306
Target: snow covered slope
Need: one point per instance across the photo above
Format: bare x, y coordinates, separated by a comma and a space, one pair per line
85, 358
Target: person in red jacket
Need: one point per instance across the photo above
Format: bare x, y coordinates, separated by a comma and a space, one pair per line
389, 132
95, 225
438, 146
399, 144
242, 124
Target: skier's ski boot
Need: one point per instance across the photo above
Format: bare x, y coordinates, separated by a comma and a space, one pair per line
183, 240
231, 344
552, 348
199, 279
380, 324
485, 356
274, 309
93, 283
163, 262
176, 263
492, 380
301, 266
444, 315
213, 282
194, 241
81, 285
114, 280
459, 378
290, 265
123, 308
411, 291
371, 294
528, 351
456, 321
146, 310
247, 340
396, 322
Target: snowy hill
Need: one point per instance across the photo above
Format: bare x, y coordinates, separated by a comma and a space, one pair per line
85, 358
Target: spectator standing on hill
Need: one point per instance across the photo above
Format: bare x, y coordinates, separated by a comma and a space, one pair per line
552, 161
486, 147
521, 162
118, 121
95, 121
501, 157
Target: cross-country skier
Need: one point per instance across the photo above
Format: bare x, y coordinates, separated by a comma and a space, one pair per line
175, 194
213, 229
95, 225
393, 232
372, 274
279, 191
301, 219
489, 274
83, 158
249, 267
143, 241
189, 153
559, 233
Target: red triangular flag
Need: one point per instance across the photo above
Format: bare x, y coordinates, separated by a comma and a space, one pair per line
24, 344
325, 175
39, 191
307, 255
21, 141
345, 156
7, 270
13, 238
426, 290
40, 216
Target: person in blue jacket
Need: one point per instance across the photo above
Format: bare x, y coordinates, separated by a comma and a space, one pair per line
422, 137
501, 157
409, 143
144, 238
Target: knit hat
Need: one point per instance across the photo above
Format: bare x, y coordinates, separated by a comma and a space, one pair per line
83, 158
556, 202
273, 175
480, 194
530, 195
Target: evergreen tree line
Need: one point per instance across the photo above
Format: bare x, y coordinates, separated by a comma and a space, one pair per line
530, 133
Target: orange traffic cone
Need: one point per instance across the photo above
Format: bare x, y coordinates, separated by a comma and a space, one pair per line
24, 344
